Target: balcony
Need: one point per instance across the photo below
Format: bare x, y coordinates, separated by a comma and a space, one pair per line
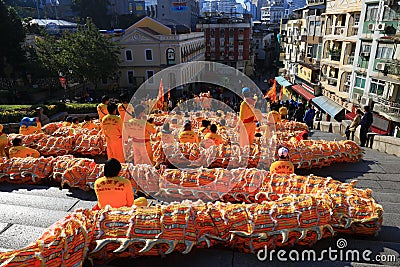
339, 30
353, 31
384, 106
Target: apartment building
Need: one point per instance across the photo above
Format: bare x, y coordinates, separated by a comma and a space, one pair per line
375, 80
228, 41
342, 21
148, 47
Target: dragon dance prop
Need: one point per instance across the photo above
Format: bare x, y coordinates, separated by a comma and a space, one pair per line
291, 210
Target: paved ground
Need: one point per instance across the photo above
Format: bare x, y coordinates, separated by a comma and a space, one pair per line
25, 211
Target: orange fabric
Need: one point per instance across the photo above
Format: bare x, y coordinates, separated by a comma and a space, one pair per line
248, 129
3, 144
188, 137
271, 94
165, 137
123, 109
140, 131
283, 111
89, 125
30, 129
102, 111
274, 116
114, 191
215, 138
282, 167
112, 127
66, 124
205, 130
23, 152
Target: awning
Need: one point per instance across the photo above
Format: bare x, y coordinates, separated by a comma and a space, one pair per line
282, 81
335, 110
303, 92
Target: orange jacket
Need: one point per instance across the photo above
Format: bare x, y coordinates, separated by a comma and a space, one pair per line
112, 126
102, 111
115, 191
188, 137
282, 167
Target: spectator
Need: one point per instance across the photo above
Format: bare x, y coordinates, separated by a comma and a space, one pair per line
309, 116
20, 151
115, 190
299, 113
354, 124
366, 122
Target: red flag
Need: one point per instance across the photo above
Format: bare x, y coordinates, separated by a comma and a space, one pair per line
281, 93
160, 97
271, 94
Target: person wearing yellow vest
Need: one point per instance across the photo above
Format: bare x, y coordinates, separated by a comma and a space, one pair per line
20, 151
273, 117
283, 111
283, 165
115, 190
3, 142
165, 135
125, 108
112, 128
187, 135
212, 138
140, 131
102, 107
248, 118
26, 126
88, 124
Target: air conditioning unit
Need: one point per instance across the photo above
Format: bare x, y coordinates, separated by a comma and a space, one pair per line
366, 101
380, 66
371, 26
380, 26
365, 54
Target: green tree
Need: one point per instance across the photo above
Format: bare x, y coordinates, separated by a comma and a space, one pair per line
95, 9
12, 32
84, 55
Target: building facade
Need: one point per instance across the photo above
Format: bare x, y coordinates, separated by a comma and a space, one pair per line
375, 80
148, 47
174, 13
342, 21
228, 42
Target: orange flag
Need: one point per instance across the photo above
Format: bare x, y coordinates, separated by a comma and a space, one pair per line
271, 94
160, 97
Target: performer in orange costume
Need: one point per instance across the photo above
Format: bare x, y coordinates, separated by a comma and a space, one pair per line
215, 138
26, 126
3, 142
88, 124
114, 190
247, 116
19, 151
140, 131
102, 107
125, 108
273, 117
112, 127
187, 135
283, 165
165, 135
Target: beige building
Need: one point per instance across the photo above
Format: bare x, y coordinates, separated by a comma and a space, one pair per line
340, 31
148, 47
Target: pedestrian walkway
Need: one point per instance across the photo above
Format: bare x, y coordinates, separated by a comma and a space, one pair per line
25, 211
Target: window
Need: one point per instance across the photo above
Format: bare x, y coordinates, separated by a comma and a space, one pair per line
231, 32
389, 14
130, 76
377, 87
221, 33
149, 76
309, 50
212, 33
372, 13
148, 54
356, 19
360, 82
384, 52
366, 48
128, 55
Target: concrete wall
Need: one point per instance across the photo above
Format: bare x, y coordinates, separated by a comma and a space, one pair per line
387, 144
